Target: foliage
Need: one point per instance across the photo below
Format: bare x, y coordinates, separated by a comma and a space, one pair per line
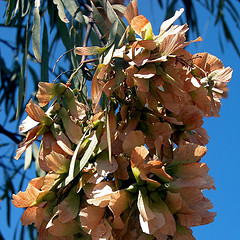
132, 95
221, 11
125, 164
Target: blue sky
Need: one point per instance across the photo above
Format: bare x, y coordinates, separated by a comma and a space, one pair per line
223, 157
223, 149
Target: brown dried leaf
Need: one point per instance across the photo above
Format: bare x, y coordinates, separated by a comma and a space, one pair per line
132, 140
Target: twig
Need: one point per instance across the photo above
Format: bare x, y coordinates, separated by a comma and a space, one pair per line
88, 8
60, 58
11, 135
88, 31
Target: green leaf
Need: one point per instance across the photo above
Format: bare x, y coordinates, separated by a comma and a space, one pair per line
94, 50
28, 158
73, 160
22, 83
119, 7
89, 151
112, 16
108, 138
39, 171
63, 30
11, 6
119, 70
229, 36
113, 32
45, 57
61, 11
74, 10
108, 57
99, 20
25, 6
36, 29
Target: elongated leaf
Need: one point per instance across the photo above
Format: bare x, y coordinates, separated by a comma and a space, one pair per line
112, 16
39, 171
108, 56
22, 83
99, 20
63, 30
94, 50
36, 29
73, 160
45, 57
13, 4
25, 6
28, 158
89, 151
118, 68
108, 138
61, 11
113, 32
74, 10
229, 36
119, 7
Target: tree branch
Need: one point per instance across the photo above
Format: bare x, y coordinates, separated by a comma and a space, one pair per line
11, 135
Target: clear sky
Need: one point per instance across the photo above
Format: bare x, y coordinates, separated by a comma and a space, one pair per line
223, 149
223, 156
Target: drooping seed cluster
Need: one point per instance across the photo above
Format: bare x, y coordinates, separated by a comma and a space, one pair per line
133, 169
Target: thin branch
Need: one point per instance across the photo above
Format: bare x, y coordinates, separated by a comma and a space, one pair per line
60, 58
11, 135
88, 31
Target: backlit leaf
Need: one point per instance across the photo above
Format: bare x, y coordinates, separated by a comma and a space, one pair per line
61, 11
89, 151
28, 157
36, 29
73, 9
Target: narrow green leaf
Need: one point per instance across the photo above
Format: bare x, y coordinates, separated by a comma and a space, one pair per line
229, 36
99, 20
21, 181
45, 57
13, 4
94, 50
28, 158
108, 138
61, 11
160, 3
22, 83
119, 7
63, 30
113, 32
36, 29
39, 171
112, 16
119, 70
74, 10
1, 236
25, 6
22, 232
108, 56
233, 12
73, 160
89, 151
220, 11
